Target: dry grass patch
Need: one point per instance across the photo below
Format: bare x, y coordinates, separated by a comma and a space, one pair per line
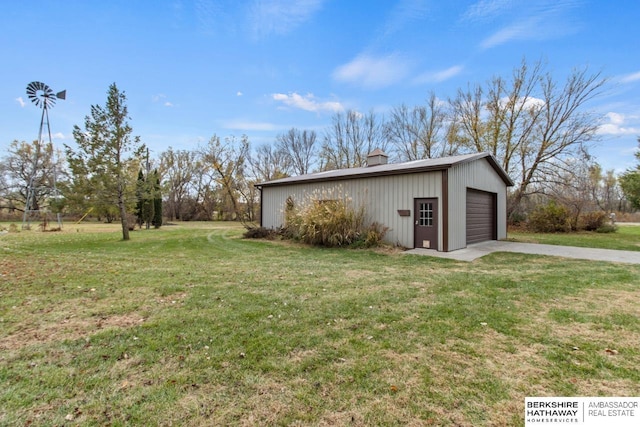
301, 355
70, 328
224, 331
608, 319
358, 274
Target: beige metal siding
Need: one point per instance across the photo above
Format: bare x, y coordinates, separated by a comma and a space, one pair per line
477, 175
382, 196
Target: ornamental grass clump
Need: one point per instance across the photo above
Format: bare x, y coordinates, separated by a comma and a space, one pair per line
328, 218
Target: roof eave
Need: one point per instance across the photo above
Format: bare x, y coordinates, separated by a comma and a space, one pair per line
389, 172
359, 175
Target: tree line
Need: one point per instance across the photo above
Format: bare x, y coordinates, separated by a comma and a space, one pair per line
538, 129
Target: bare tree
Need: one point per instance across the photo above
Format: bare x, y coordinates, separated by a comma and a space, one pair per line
269, 163
400, 129
4, 185
372, 134
530, 124
300, 148
204, 201
570, 184
561, 129
466, 114
350, 138
420, 132
178, 168
502, 122
605, 190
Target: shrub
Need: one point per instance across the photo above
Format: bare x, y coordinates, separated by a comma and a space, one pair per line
329, 219
592, 221
607, 228
516, 219
259, 233
372, 236
550, 218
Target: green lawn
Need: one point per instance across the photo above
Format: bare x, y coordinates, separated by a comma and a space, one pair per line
626, 238
193, 325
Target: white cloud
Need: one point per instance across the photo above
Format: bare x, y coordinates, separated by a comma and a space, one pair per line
58, 135
373, 72
439, 76
280, 16
404, 13
630, 78
618, 125
543, 20
615, 118
239, 93
162, 98
611, 129
307, 102
20, 101
245, 125
529, 102
524, 30
484, 9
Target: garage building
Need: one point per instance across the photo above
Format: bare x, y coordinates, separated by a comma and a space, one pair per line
442, 204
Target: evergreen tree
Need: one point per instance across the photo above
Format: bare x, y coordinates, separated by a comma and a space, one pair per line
157, 200
140, 198
630, 183
147, 203
147, 190
102, 164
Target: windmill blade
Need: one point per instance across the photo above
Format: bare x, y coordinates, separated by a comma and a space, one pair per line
41, 94
35, 99
32, 90
33, 87
49, 101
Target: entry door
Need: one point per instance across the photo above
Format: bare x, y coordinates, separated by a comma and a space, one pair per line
426, 223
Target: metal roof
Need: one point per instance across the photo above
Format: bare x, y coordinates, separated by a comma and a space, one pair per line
415, 166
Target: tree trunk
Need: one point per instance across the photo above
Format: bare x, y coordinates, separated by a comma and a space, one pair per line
123, 215
123, 221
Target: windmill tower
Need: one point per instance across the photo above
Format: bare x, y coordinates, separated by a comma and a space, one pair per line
43, 97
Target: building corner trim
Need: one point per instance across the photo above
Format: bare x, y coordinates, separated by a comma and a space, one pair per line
445, 210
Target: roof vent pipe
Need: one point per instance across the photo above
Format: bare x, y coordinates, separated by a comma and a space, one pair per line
377, 157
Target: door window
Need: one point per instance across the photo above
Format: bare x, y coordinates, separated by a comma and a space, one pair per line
425, 212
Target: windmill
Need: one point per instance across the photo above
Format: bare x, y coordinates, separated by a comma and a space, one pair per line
43, 97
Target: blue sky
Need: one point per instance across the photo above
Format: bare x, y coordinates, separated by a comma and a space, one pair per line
194, 68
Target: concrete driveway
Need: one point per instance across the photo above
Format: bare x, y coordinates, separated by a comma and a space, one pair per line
478, 250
